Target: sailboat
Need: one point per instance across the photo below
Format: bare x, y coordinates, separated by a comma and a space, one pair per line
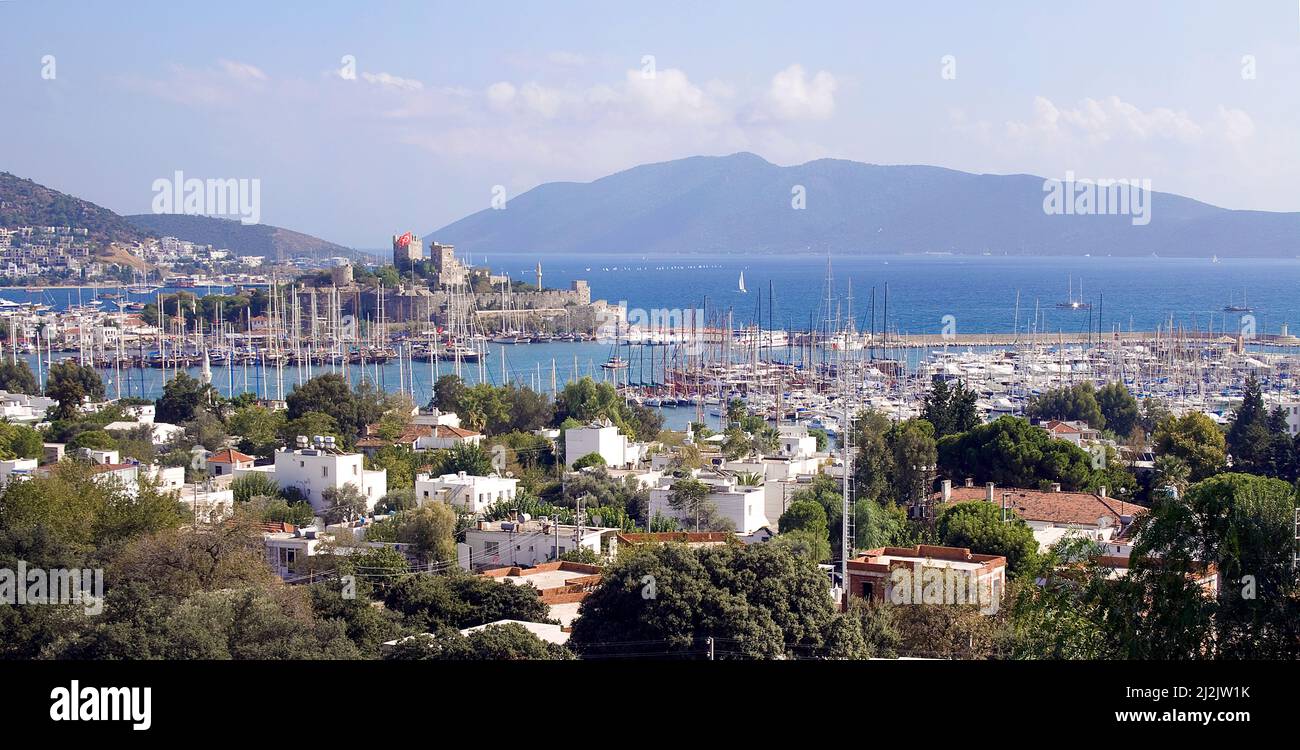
615, 362
1242, 308
743, 290
141, 287
1072, 303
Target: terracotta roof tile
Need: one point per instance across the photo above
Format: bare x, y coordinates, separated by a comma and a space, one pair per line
1083, 508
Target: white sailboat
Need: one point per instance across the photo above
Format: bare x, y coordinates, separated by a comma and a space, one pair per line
743, 290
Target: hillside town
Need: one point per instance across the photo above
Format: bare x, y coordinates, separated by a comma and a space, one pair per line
496, 521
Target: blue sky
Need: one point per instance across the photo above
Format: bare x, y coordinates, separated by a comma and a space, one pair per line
451, 99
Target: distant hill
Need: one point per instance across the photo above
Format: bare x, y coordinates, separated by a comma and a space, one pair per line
742, 203
275, 243
26, 203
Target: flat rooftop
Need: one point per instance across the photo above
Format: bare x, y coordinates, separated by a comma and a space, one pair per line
547, 579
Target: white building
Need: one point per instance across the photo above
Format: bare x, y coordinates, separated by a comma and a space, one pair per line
795, 440
227, 462
436, 417
312, 470
16, 469
492, 544
604, 438
21, 408
446, 436
206, 502
467, 492
745, 507
168, 477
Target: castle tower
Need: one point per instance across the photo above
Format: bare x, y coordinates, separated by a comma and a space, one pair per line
407, 251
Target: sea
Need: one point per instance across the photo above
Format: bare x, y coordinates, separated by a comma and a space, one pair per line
915, 294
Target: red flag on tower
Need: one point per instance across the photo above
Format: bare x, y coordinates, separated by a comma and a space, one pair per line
404, 240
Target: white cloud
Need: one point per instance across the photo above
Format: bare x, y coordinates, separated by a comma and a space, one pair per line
1107, 119
670, 96
500, 95
1237, 126
792, 96
567, 59
388, 80
241, 70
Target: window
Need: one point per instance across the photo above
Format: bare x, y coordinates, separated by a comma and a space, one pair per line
355, 469
325, 471
491, 548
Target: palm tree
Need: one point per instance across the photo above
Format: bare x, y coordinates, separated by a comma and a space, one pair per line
1172, 471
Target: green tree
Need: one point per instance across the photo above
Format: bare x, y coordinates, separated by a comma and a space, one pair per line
183, 397
1013, 453
915, 456
467, 457
950, 409
979, 526
591, 459
1172, 471
93, 440
309, 425
690, 498
1057, 604
254, 484
258, 429
330, 394
1249, 438
675, 597
804, 515
448, 394
1118, 408
17, 377
805, 543
342, 503
504, 642
1241, 524
461, 600
92, 386
1195, 439
20, 441
1078, 402
430, 529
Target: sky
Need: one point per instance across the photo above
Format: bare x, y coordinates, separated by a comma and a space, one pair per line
365, 119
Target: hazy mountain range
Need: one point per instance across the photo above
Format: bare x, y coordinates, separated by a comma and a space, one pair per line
27, 203
275, 243
744, 204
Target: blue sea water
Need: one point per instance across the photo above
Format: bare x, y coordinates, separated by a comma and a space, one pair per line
979, 292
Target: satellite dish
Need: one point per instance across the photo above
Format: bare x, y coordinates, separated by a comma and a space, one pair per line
1105, 522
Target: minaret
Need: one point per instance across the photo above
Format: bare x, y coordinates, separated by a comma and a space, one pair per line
539, 276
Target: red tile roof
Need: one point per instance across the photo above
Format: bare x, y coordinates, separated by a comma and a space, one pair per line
447, 431
1082, 508
229, 456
